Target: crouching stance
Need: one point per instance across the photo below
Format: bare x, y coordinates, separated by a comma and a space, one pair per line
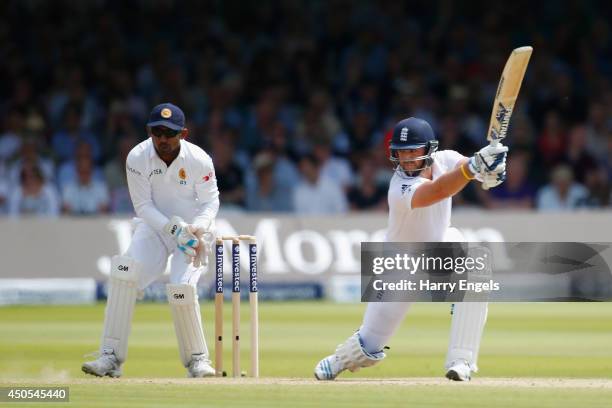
174, 191
420, 211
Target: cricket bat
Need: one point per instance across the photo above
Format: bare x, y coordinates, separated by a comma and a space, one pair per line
507, 92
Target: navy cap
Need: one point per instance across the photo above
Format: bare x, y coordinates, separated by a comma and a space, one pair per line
168, 115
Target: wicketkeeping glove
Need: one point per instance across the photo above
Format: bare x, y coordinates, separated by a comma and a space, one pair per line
182, 233
207, 239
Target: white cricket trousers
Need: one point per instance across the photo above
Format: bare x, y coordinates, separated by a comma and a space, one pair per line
381, 320
152, 250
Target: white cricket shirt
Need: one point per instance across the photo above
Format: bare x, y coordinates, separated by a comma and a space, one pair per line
426, 224
187, 188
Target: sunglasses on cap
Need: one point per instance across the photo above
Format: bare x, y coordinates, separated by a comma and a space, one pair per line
159, 131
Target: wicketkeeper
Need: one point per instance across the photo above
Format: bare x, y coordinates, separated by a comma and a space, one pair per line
174, 191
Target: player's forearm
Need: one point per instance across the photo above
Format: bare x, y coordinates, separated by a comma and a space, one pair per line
453, 182
208, 212
140, 193
447, 185
151, 215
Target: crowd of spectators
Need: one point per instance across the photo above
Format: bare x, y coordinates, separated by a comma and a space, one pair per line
294, 100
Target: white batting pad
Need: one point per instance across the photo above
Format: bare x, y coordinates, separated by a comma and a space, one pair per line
183, 301
467, 324
122, 293
352, 356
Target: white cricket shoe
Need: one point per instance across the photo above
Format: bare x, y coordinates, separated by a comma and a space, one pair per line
349, 355
328, 368
199, 367
105, 365
459, 370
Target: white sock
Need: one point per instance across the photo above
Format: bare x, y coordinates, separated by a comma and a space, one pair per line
380, 321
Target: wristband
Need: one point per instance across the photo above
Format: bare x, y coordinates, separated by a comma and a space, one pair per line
465, 173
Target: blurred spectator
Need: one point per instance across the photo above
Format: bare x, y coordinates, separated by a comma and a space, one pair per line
365, 193
67, 172
471, 126
259, 123
33, 196
552, 141
316, 194
286, 174
517, 191
607, 162
267, 196
86, 196
116, 179
309, 129
3, 197
69, 93
384, 169
333, 168
11, 137
521, 133
230, 178
577, 155
361, 134
120, 125
452, 138
597, 182
596, 128
562, 193
320, 104
318, 122
35, 123
30, 153
66, 140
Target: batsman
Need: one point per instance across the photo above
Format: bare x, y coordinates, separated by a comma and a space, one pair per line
419, 199
174, 191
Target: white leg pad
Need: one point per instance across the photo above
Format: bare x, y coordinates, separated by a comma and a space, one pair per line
352, 356
467, 325
122, 293
183, 301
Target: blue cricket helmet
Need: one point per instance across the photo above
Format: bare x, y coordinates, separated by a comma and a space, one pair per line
410, 134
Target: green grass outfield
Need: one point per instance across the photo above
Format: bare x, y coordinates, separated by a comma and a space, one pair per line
530, 343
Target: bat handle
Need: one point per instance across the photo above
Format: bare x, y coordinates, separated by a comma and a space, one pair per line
493, 143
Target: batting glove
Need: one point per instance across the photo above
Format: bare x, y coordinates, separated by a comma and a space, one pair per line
489, 159
494, 179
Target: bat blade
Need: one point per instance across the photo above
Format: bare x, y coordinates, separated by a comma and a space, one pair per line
507, 92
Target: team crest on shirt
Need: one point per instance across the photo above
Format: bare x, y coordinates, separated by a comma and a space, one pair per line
406, 188
166, 113
183, 176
